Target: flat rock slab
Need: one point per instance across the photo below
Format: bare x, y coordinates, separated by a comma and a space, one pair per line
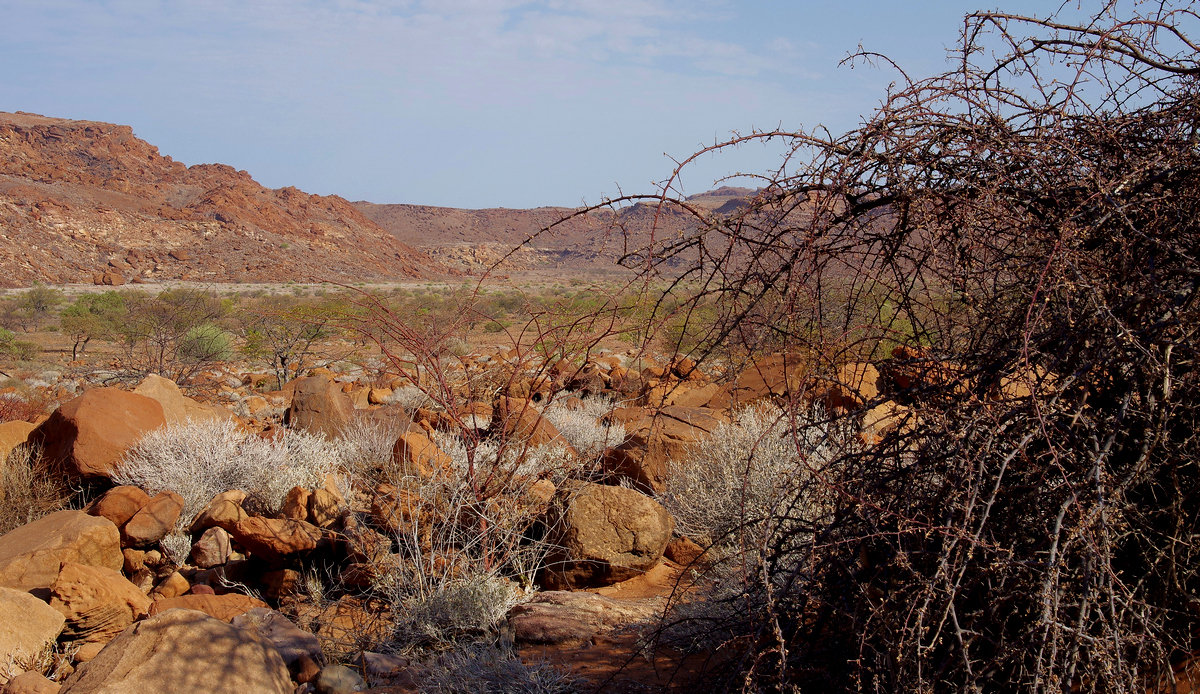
183, 651
573, 618
223, 607
31, 555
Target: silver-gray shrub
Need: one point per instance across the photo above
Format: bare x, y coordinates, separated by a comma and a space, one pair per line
730, 488
200, 459
366, 447
747, 492
583, 428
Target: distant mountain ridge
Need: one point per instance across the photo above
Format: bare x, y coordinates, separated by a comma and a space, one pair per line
472, 239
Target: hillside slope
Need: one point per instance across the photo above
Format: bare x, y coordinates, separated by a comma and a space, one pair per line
82, 198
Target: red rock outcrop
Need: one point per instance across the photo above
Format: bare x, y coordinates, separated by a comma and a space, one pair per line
82, 200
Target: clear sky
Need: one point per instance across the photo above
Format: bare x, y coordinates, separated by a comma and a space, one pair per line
467, 103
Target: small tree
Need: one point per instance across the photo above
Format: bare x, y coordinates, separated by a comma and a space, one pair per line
36, 304
156, 329
285, 333
92, 316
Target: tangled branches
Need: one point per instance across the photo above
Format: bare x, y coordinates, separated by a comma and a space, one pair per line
1022, 232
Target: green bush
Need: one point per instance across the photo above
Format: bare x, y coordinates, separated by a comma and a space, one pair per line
206, 343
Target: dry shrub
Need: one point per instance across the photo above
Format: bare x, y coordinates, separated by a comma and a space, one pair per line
1031, 211
365, 448
14, 407
199, 460
409, 398
472, 547
493, 669
728, 490
25, 495
582, 426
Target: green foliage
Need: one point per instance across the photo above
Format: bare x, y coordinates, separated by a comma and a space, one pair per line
92, 316
20, 350
284, 331
206, 343
157, 332
34, 306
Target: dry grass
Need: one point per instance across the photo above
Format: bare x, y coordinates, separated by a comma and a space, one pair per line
25, 495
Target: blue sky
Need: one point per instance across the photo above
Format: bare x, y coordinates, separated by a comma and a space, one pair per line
467, 103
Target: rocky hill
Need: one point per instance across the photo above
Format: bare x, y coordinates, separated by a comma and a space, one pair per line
82, 200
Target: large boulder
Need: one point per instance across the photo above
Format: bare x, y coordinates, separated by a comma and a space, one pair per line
119, 504
28, 627
292, 642
177, 407
604, 535
685, 394
854, 385
183, 651
31, 555
773, 377
98, 603
656, 439
319, 406
570, 618
515, 418
224, 511
417, 455
87, 436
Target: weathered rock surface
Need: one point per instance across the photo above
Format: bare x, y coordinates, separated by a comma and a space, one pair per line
324, 507
98, 603
338, 679
87, 436
606, 534
31, 683
319, 406
119, 504
573, 618
153, 521
518, 419
31, 555
13, 434
212, 548
416, 454
292, 642
223, 607
177, 407
224, 511
28, 626
275, 538
656, 439
183, 651
90, 200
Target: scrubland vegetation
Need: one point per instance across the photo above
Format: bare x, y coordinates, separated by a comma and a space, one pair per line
1012, 504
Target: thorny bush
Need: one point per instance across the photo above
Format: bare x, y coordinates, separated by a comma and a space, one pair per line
1025, 225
